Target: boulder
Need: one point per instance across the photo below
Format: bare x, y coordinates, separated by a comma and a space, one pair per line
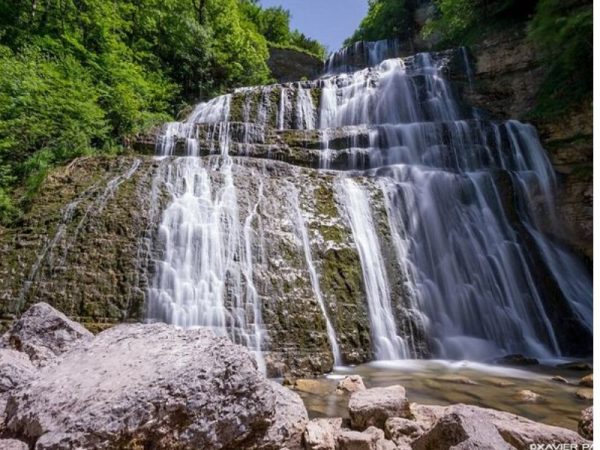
373, 407
403, 431
321, 434
467, 427
13, 444
587, 381
370, 439
586, 423
350, 384
16, 369
461, 429
139, 386
43, 333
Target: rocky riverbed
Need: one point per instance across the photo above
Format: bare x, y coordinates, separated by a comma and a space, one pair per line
156, 386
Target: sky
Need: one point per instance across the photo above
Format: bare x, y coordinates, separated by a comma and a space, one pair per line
328, 21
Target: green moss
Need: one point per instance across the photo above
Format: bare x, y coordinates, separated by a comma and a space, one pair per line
236, 107
583, 172
316, 97
325, 201
334, 234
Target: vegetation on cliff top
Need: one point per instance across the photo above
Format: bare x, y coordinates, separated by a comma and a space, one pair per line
83, 76
562, 30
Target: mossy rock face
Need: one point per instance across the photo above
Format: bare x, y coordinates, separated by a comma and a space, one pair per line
78, 246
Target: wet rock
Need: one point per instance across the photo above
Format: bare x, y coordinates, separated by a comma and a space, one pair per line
499, 382
528, 396
321, 434
517, 360
351, 384
403, 431
15, 369
43, 333
560, 379
457, 379
580, 366
586, 423
470, 427
587, 381
13, 444
156, 385
373, 407
585, 394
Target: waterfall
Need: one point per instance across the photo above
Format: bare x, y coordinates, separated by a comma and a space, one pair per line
388, 345
203, 240
468, 207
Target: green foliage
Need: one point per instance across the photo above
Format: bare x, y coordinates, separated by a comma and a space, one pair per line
454, 19
458, 22
564, 32
385, 19
85, 76
274, 24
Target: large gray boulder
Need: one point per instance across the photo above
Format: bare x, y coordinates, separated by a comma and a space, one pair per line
43, 333
372, 407
467, 427
16, 369
321, 434
155, 386
12, 444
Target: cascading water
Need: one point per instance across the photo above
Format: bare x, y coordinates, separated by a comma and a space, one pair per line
468, 202
204, 241
388, 345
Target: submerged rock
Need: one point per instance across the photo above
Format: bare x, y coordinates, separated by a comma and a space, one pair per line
155, 385
517, 360
585, 394
528, 396
587, 381
43, 333
586, 423
560, 379
580, 366
373, 407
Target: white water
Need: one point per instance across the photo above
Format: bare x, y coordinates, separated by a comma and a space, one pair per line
202, 238
388, 345
466, 200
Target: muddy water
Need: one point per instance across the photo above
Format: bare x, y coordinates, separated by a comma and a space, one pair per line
443, 383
